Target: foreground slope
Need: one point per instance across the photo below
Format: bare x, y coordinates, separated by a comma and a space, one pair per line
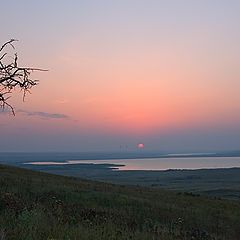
36, 205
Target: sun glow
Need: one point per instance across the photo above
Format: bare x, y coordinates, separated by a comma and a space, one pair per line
140, 145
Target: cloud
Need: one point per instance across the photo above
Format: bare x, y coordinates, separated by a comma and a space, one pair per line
5, 111
44, 114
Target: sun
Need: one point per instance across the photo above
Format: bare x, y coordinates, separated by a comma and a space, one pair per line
140, 145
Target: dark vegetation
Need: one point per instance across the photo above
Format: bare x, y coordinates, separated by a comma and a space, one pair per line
35, 205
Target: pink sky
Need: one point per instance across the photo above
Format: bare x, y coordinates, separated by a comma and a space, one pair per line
126, 72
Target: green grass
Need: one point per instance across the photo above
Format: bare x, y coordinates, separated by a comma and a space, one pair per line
42, 206
221, 183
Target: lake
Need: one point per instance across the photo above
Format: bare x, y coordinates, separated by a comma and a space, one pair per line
155, 163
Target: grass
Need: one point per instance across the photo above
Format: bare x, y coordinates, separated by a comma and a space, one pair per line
224, 183
35, 205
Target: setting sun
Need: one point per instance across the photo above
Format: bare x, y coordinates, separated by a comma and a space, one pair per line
140, 145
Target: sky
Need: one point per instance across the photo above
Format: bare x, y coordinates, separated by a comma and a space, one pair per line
161, 73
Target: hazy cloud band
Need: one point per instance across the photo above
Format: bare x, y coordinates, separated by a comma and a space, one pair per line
44, 114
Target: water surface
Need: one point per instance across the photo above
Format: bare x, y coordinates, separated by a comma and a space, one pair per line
157, 163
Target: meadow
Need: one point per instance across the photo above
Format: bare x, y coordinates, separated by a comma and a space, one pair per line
221, 183
36, 205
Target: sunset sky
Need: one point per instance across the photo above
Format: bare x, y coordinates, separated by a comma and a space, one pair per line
124, 72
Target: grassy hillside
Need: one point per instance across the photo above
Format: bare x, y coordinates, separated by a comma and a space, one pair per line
36, 205
223, 183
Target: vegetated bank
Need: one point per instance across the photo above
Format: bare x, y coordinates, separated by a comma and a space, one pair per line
35, 205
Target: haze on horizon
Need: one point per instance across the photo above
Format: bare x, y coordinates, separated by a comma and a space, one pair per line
162, 73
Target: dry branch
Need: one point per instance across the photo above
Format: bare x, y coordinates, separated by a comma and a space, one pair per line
12, 76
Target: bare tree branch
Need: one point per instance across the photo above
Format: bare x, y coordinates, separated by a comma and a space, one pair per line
12, 76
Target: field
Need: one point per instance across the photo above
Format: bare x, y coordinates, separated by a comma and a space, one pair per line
221, 183
36, 205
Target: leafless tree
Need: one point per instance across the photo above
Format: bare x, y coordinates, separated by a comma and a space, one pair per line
12, 76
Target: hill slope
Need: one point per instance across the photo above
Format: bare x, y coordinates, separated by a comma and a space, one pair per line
36, 205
